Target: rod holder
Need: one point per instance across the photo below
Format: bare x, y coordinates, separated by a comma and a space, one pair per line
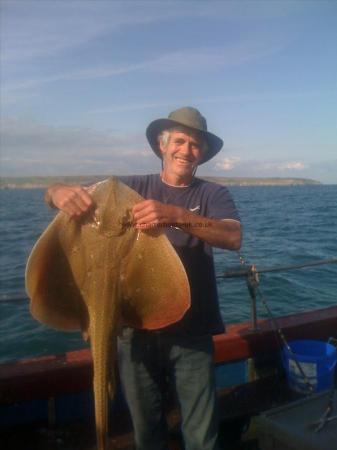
252, 284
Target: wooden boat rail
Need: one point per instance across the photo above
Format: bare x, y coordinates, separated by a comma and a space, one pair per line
71, 372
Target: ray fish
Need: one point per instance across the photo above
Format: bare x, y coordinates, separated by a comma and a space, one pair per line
99, 274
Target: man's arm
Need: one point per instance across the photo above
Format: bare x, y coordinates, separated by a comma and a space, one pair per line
218, 233
72, 199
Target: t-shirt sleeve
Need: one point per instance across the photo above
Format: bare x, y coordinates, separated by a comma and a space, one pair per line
133, 181
136, 182
222, 206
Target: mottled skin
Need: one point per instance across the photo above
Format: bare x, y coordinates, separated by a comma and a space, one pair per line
99, 273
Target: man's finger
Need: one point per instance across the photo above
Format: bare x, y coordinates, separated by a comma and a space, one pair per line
83, 201
84, 194
141, 206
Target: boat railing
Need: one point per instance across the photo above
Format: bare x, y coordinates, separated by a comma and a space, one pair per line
251, 273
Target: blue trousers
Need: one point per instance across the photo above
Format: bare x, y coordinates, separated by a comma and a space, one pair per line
149, 361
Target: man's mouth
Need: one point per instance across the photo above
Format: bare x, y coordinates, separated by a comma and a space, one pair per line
183, 161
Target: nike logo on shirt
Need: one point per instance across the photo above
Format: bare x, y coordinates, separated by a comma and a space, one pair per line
197, 208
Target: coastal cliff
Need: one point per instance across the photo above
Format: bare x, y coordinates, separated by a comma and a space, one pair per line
43, 182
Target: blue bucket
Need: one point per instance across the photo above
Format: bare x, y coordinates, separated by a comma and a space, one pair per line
317, 360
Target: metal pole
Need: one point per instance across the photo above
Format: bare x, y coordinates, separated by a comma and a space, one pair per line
252, 284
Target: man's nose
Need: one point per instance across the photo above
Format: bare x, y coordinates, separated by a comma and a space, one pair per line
186, 148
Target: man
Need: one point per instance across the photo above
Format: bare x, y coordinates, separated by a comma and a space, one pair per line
196, 215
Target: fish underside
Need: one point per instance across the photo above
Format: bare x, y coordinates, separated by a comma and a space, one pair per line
100, 274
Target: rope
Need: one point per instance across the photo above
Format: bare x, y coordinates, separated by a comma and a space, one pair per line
280, 333
252, 276
245, 272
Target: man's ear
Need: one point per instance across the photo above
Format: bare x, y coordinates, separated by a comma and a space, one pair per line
162, 148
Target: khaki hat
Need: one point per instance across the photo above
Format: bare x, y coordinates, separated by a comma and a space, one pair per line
187, 117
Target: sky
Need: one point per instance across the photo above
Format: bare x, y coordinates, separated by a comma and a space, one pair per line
81, 81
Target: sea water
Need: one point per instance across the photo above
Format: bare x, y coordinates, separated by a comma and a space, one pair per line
282, 225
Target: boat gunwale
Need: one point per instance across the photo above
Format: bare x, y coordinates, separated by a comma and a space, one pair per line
71, 372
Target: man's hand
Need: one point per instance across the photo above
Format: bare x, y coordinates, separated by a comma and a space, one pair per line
150, 213
218, 233
73, 200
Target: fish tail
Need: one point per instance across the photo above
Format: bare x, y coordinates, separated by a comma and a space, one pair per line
104, 352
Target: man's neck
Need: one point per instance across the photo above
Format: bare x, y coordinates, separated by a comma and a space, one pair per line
173, 180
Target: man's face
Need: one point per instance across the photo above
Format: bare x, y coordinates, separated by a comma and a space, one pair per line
182, 153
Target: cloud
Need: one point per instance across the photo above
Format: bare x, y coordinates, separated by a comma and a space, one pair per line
183, 61
227, 163
219, 99
32, 148
37, 35
210, 58
33, 30
73, 75
283, 166
240, 166
292, 165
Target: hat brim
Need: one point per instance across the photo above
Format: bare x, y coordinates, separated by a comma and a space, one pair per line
157, 126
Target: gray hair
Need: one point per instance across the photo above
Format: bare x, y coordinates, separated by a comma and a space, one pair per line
165, 135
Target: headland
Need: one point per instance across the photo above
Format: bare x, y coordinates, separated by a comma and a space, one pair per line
42, 182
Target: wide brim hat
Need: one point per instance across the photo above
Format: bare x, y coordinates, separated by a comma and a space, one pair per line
189, 118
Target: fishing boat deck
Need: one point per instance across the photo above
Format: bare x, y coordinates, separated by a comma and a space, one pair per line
30, 380
238, 433
78, 437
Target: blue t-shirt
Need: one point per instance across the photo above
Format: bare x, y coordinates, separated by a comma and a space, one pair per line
209, 200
